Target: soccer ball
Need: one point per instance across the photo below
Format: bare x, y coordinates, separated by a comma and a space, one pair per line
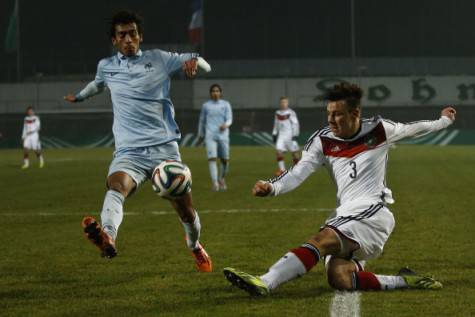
171, 179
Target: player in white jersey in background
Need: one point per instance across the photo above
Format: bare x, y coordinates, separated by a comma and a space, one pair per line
215, 119
145, 131
354, 151
31, 138
285, 132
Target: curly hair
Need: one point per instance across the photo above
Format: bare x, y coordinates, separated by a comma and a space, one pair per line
125, 17
350, 93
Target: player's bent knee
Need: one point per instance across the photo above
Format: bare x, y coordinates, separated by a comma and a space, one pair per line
340, 278
121, 182
118, 187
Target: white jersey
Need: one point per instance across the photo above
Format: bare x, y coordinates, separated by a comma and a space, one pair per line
357, 165
286, 124
31, 127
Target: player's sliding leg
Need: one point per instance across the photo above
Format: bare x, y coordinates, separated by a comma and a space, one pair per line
224, 169
293, 264
191, 223
213, 172
345, 275
26, 160
39, 155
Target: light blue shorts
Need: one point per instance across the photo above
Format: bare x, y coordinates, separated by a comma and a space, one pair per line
216, 147
140, 162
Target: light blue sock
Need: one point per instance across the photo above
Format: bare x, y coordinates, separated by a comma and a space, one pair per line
112, 212
213, 171
192, 231
224, 169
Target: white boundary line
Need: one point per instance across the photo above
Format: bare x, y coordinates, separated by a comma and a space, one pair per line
345, 304
171, 212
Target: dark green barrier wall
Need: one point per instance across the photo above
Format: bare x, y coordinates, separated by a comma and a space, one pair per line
249, 127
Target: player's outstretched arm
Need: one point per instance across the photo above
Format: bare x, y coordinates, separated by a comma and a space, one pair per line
290, 179
399, 131
90, 90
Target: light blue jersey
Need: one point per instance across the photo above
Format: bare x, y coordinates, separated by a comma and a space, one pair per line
140, 92
213, 115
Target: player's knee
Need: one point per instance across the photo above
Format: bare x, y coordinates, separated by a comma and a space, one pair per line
340, 278
212, 159
118, 187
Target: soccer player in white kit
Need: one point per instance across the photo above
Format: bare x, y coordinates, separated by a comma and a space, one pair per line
216, 117
354, 151
145, 131
31, 138
285, 132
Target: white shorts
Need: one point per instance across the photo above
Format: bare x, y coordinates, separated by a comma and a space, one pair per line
285, 144
32, 142
367, 224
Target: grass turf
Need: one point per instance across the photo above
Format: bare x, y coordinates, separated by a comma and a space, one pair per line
49, 269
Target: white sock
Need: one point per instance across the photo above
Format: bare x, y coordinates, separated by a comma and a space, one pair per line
287, 268
391, 282
192, 231
281, 165
41, 159
224, 170
112, 212
26, 162
213, 171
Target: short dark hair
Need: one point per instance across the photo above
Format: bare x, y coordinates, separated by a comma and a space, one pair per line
283, 97
350, 93
125, 17
29, 108
215, 86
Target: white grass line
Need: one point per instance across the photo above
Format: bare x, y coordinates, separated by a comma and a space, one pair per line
345, 304
169, 212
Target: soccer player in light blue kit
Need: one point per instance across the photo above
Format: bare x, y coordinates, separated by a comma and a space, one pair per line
215, 119
144, 128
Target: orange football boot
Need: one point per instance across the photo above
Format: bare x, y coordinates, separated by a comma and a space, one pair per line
202, 259
97, 236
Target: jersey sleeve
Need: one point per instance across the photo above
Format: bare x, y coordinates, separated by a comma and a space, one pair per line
228, 115
94, 87
396, 131
202, 121
38, 125
295, 124
23, 133
312, 159
174, 61
99, 80
275, 130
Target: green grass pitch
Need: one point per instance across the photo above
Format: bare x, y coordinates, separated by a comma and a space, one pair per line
47, 268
